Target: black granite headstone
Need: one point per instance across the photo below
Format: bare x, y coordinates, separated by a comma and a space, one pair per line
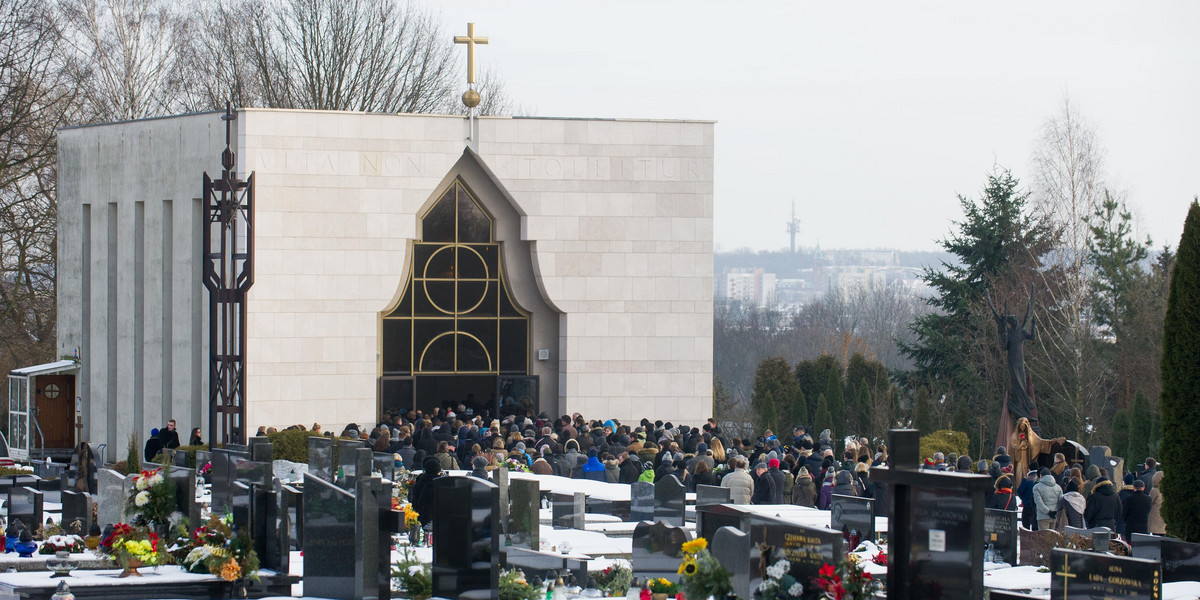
849, 514
806, 549
567, 510
641, 501
384, 464
1180, 560
320, 457
261, 449
731, 547
656, 549
1000, 528
711, 494
330, 543
25, 503
221, 479
239, 506
935, 526
466, 536
1100, 536
1076, 575
1147, 546
994, 594
291, 500
711, 517
76, 512
670, 500
185, 493
522, 525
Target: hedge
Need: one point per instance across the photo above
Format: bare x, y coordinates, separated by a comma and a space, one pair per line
944, 441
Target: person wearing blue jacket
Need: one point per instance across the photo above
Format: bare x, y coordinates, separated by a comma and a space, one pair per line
593, 469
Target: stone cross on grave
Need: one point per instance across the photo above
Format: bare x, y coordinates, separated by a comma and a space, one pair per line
1066, 574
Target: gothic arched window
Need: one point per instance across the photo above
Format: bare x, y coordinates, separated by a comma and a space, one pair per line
456, 314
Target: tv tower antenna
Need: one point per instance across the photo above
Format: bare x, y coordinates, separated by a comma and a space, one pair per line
793, 227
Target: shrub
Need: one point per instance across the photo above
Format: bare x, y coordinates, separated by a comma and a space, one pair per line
161, 457
133, 461
290, 445
944, 441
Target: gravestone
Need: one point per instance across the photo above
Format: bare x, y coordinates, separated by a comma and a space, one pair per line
641, 501
239, 497
848, 514
292, 502
501, 478
522, 525
1180, 560
185, 493
994, 594
320, 457
25, 503
1076, 575
1098, 456
935, 526
270, 524
670, 500
711, 517
656, 550
203, 457
1000, 529
179, 459
1145, 545
384, 464
1037, 545
806, 549
76, 509
1100, 536
221, 479
731, 548
113, 487
330, 547
354, 461
261, 449
466, 540
711, 494
567, 510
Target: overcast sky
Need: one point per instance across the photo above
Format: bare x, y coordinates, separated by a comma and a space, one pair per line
870, 116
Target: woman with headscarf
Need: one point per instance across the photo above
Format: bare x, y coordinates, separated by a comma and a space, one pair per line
1071, 507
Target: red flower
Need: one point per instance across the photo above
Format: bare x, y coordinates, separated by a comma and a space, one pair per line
880, 559
827, 571
867, 576
1022, 436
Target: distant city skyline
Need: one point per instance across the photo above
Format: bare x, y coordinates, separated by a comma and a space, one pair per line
871, 120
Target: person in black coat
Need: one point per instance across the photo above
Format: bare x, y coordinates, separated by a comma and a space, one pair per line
1137, 511
630, 469
1025, 493
763, 494
421, 495
153, 445
1003, 498
777, 481
1103, 506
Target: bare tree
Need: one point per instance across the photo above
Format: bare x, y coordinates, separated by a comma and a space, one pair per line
1068, 188
35, 99
129, 61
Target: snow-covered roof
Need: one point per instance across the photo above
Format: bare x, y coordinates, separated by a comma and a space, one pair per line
48, 368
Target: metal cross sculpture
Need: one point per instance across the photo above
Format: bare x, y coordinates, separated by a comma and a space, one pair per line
228, 275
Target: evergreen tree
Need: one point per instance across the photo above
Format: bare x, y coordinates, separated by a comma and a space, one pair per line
1119, 444
923, 418
1140, 427
812, 376
823, 420
997, 238
1117, 257
863, 408
774, 391
799, 414
837, 403
1180, 400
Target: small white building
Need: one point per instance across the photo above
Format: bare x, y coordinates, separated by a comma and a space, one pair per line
401, 261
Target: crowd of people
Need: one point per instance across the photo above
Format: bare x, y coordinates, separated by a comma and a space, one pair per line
801, 469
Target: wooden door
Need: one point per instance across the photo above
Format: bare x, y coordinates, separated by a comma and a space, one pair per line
56, 410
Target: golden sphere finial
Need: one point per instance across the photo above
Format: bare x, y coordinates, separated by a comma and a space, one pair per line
470, 98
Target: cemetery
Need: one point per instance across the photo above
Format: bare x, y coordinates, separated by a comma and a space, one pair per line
293, 264
343, 525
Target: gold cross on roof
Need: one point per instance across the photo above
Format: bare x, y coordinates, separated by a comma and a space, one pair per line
470, 40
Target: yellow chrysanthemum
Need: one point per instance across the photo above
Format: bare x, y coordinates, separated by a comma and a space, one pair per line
695, 545
230, 570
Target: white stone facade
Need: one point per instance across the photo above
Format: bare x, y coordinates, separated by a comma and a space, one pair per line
617, 217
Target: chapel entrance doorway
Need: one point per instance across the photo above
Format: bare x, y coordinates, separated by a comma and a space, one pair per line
55, 410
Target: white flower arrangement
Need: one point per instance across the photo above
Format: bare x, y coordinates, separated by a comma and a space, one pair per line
779, 569
142, 498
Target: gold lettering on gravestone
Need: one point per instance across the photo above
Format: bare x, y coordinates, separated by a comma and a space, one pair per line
802, 547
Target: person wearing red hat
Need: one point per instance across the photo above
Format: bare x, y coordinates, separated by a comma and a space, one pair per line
777, 481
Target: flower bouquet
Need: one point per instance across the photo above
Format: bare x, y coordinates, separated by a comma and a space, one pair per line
513, 586
218, 551
703, 575
779, 584
662, 587
151, 500
614, 580
846, 582
61, 543
133, 547
513, 464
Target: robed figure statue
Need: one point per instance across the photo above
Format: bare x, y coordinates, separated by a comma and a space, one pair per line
1013, 334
